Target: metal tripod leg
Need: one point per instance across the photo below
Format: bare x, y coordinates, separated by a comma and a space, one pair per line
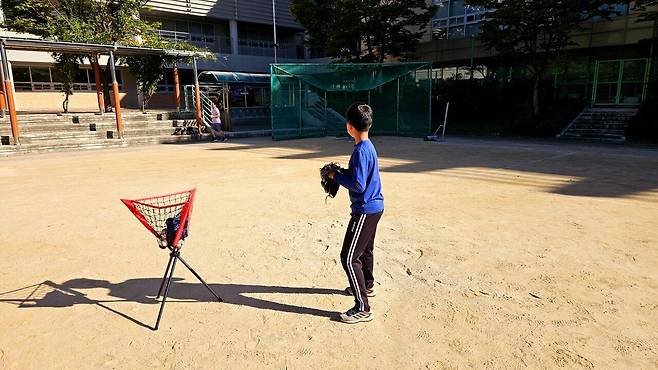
164, 296
199, 277
164, 278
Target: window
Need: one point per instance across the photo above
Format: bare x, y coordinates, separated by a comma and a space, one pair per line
457, 7
444, 10
28, 78
454, 19
22, 81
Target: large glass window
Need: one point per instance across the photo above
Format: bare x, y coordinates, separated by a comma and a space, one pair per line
37, 78
456, 7
40, 74
454, 19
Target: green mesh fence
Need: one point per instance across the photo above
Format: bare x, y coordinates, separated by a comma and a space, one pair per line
309, 100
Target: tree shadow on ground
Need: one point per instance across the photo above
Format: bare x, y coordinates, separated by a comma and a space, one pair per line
577, 169
144, 290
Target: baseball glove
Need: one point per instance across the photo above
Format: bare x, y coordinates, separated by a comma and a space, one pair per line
329, 185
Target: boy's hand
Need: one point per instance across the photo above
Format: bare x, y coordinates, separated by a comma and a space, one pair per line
327, 176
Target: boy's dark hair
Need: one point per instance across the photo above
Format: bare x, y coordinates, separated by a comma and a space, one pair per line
360, 116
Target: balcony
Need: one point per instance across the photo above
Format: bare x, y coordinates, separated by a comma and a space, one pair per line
222, 44
210, 42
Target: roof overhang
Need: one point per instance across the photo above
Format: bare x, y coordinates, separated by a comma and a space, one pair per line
52, 46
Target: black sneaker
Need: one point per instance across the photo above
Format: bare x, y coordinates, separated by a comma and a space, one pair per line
369, 292
353, 316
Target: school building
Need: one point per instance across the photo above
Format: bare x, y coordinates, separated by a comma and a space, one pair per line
609, 65
240, 33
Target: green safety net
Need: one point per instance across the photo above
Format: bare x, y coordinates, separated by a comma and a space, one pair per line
309, 100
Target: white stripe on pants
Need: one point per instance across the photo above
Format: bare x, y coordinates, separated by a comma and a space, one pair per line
350, 254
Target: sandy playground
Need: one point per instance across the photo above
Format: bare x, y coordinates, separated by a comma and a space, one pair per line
491, 254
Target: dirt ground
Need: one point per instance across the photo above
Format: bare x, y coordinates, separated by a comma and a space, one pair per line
490, 254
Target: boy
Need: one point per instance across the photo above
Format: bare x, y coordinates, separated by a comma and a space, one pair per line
364, 185
216, 127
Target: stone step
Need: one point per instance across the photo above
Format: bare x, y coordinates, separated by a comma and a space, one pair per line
592, 136
602, 126
604, 120
91, 118
66, 127
153, 131
597, 129
9, 150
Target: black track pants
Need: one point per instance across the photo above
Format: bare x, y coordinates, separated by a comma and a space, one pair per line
357, 257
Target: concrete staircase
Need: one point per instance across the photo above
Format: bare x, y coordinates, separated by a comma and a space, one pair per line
51, 132
599, 124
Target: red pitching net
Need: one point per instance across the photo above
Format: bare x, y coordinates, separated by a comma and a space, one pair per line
165, 216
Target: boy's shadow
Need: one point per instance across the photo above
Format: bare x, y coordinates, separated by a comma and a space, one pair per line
50, 294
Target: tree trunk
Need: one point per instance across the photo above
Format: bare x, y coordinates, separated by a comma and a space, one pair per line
65, 103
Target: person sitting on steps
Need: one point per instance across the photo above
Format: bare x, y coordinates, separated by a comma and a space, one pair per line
216, 129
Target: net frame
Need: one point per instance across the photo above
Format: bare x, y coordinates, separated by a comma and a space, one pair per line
309, 99
163, 207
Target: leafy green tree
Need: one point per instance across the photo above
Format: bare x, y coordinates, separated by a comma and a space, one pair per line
364, 30
649, 9
94, 21
67, 66
534, 32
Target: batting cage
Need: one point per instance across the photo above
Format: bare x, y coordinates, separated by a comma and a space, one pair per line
309, 100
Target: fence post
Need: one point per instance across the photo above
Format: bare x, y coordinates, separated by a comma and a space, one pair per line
397, 109
431, 86
3, 101
117, 99
176, 87
300, 108
197, 95
98, 83
326, 121
9, 89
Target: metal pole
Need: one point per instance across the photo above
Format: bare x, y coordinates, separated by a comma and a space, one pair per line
117, 99
397, 110
472, 56
197, 95
3, 102
166, 292
9, 89
186, 98
98, 83
176, 87
431, 82
300, 108
596, 82
274, 25
620, 78
445, 122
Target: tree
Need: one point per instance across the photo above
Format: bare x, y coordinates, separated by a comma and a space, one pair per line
67, 67
649, 9
148, 69
94, 21
364, 30
534, 31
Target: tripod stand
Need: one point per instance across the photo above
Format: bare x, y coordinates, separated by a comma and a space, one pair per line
167, 217
173, 257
